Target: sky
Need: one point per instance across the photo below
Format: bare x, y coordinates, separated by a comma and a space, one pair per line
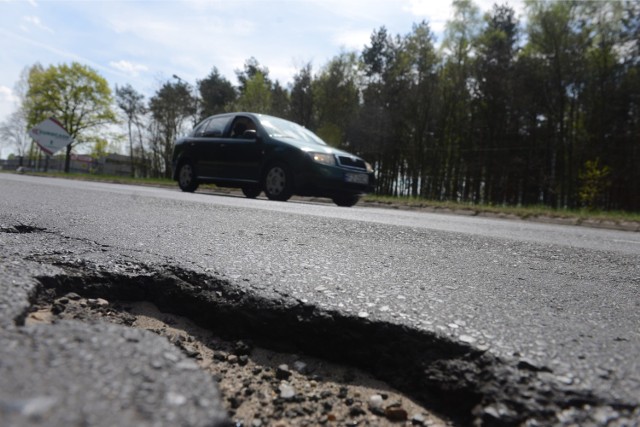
146, 42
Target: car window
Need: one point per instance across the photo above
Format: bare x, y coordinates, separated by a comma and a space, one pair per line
199, 129
279, 128
216, 126
240, 126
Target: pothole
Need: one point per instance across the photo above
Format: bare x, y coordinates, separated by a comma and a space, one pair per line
207, 317
260, 387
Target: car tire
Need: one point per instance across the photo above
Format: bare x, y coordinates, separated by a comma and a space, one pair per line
251, 192
278, 182
346, 201
187, 180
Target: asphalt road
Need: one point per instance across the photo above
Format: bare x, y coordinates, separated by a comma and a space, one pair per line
564, 300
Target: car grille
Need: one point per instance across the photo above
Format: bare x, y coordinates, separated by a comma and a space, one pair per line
352, 162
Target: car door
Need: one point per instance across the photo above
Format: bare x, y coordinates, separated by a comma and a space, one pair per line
240, 151
206, 143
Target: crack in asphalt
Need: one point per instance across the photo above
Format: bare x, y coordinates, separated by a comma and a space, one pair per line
470, 386
21, 229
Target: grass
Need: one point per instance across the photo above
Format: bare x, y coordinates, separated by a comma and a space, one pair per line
523, 212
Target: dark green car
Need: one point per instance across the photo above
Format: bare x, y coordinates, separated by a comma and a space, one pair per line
258, 153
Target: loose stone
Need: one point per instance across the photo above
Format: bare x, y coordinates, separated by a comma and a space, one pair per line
287, 391
283, 372
395, 413
375, 402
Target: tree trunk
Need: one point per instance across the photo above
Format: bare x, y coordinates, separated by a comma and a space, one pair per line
67, 159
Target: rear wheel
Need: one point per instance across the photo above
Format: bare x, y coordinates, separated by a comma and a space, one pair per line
187, 180
251, 192
278, 183
346, 201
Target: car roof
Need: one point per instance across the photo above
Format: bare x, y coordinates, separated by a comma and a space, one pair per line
245, 113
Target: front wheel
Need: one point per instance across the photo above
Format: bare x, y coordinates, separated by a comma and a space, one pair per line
278, 183
346, 201
187, 180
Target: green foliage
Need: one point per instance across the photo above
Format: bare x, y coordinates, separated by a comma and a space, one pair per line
99, 148
75, 94
331, 134
335, 99
256, 96
302, 100
595, 181
216, 92
170, 108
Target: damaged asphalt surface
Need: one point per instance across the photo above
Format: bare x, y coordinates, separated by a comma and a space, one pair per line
489, 322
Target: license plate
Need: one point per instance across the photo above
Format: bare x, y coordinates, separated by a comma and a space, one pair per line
357, 178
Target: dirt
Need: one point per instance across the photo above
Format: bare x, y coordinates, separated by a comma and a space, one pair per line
259, 387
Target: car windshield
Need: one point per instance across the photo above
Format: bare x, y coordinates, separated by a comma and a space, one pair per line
279, 128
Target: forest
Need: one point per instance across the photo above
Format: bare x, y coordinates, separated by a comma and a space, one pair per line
543, 111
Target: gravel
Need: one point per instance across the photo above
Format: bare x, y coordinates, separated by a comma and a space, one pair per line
259, 387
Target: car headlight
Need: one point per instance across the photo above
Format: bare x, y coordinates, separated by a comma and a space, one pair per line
323, 158
369, 167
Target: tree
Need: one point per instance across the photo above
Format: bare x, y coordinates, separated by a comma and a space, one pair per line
628, 185
455, 171
556, 38
422, 107
382, 117
170, 107
259, 94
15, 131
594, 181
607, 101
496, 50
256, 96
280, 102
216, 92
302, 97
132, 105
251, 69
75, 95
335, 95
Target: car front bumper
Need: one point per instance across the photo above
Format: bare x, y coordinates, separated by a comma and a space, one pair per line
328, 181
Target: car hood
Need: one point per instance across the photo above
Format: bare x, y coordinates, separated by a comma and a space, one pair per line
315, 148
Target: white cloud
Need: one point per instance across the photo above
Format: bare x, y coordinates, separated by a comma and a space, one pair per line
7, 95
34, 21
129, 68
423, 9
283, 74
435, 13
8, 103
353, 39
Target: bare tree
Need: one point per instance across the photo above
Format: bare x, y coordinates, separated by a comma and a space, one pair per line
132, 105
14, 132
